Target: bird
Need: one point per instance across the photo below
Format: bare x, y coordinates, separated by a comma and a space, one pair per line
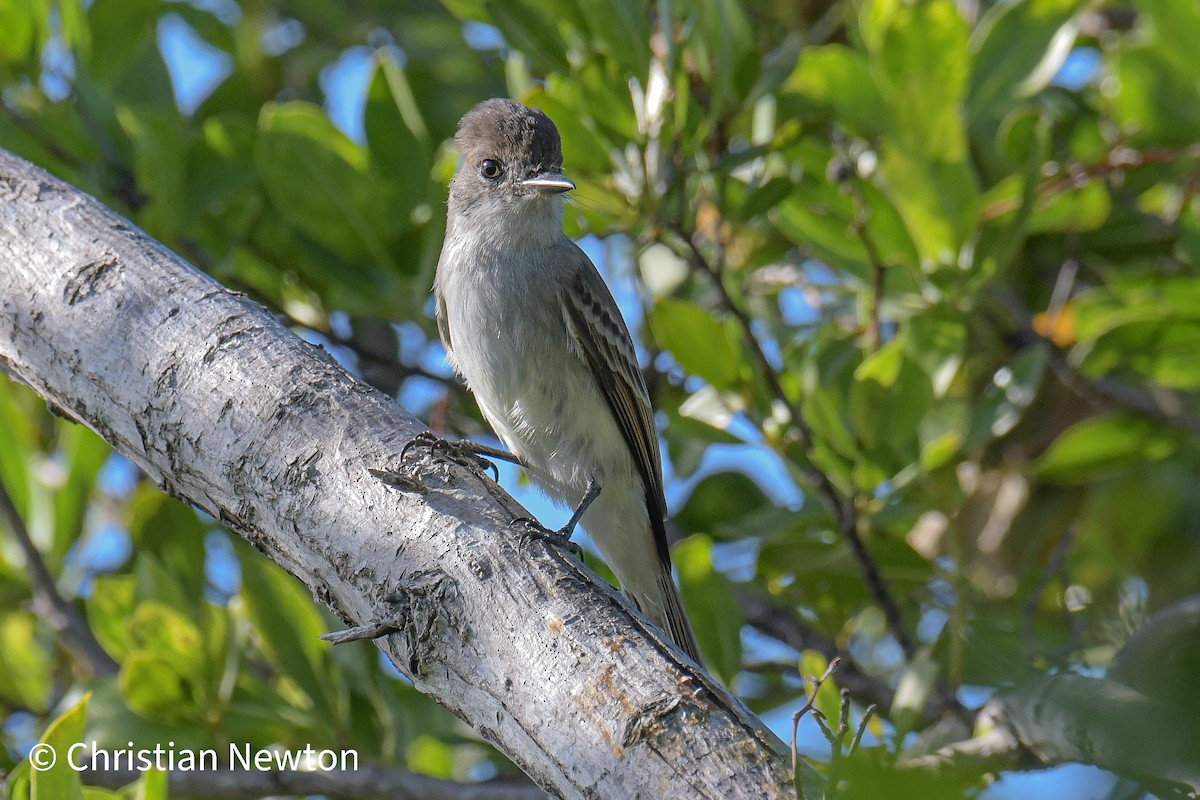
529, 324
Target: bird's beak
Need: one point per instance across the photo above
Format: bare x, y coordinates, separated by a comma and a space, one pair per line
549, 183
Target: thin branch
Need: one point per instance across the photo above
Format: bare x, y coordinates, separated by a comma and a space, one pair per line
61, 616
364, 782
781, 623
1102, 393
862, 214
842, 509
809, 705
1118, 159
868, 712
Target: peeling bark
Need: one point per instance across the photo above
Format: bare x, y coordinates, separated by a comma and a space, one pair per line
225, 408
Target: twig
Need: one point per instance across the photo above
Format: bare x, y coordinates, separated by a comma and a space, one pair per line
862, 214
842, 509
43, 137
1100, 392
809, 705
862, 728
1116, 160
783, 624
1055, 566
60, 615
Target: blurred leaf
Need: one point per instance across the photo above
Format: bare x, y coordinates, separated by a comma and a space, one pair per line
1100, 445
700, 342
889, 398
26, 666
1014, 388
921, 70
1078, 210
829, 703
61, 781
83, 454
1018, 48
840, 78
152, 786
290, 626
321, 182
718, 501
937, 198
173, 533
17, 22
155, 689
157, 629
916, 684
936, 340
398, 140
622, 26
1157, 98
710, 601
109, 605
430, 756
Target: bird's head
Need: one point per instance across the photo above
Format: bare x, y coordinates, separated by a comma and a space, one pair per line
511, 170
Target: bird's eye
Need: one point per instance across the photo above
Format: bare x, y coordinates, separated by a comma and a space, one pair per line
491, 169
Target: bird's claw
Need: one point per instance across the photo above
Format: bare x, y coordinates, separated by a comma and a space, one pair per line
532, 529
457, 452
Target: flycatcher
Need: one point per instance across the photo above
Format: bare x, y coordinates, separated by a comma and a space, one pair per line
530, 325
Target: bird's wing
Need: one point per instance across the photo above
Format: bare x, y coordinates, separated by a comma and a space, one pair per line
443, 325
599, 333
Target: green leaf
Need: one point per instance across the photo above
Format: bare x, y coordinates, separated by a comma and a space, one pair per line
813, 665
26, 667
84, 453
936, 340
1018, 48
938, 199
913, 691
921, 70
152, 786
61, 781
889, 398
840, 78
1101, 445
1013, 389
321, 182
531, 30
622, 27
710, 601
1073, 211
17, 22
153, 688
397, 138
159, 630
285, 617
702, 344
109, 605
718, 501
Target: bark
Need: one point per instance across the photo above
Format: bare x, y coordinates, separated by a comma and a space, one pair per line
225, 408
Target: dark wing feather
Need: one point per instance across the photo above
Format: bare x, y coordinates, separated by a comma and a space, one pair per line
598, 331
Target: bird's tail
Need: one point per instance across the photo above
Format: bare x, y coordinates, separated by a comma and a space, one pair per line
662, 605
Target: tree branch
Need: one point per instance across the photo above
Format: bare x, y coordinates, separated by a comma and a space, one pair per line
224, 407
60, 615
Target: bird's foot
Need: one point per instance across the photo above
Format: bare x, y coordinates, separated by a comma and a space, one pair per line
532, 529
464, 453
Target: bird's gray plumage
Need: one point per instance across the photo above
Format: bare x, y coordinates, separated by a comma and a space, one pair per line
530, 325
